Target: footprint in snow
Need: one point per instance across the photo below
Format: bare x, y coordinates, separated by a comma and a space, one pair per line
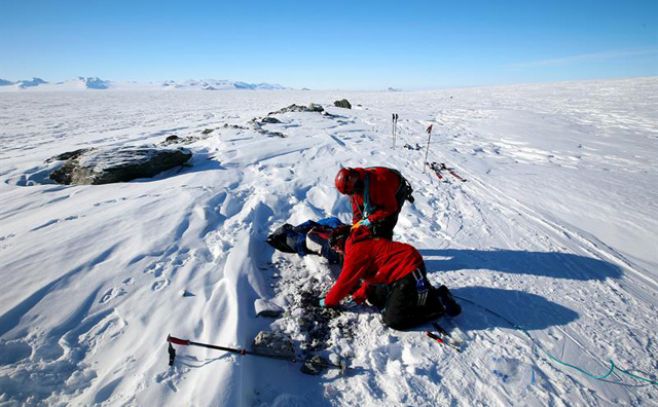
54, 221
14, 351
159, 285
7, 237
168, 378
111, 294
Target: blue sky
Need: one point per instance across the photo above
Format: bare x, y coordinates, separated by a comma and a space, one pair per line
331, 44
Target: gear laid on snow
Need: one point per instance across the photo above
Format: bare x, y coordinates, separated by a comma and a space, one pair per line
310, 237
444, 338
438, 167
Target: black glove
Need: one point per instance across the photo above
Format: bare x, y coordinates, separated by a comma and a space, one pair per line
338, 238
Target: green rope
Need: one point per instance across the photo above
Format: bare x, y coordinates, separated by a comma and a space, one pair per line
644, 379
581, 370
613, 367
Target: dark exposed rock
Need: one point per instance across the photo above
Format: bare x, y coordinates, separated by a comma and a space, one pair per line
234, 126
69, 155
180, 140
259, 128
314, 321
297, 108
275, 134
314, 365
344, 103
268, 119
122, 164
207, 131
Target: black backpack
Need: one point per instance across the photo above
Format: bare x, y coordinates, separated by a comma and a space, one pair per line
405, 190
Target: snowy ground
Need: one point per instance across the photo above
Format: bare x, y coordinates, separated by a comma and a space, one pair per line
555, 229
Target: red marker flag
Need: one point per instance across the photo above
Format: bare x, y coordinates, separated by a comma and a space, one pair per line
429, 129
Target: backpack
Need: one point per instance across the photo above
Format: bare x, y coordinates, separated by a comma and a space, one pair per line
405, 190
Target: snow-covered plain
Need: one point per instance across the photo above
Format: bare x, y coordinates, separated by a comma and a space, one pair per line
555, 230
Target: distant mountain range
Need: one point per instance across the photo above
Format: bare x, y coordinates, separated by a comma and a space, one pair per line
81, 83
214, 84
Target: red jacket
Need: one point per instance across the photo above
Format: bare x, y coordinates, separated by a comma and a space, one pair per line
384, 184
372, 261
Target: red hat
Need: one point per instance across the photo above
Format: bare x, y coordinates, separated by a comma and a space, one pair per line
346, 180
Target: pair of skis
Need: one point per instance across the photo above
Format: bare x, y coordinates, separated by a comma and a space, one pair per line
438, 167
443, 337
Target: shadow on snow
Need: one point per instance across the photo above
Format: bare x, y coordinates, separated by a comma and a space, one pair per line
548, 264
528, 311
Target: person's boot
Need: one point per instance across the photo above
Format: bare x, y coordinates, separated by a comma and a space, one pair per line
434, 307
451, 306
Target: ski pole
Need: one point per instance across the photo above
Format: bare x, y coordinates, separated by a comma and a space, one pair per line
439, 329
443, 342
435, 337
429, 138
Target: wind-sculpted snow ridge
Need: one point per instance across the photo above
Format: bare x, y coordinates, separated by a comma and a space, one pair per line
555, 231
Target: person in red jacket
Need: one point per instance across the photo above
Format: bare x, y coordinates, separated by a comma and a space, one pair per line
377, 194
391, 276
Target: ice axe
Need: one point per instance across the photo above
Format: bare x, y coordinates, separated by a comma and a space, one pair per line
312, 365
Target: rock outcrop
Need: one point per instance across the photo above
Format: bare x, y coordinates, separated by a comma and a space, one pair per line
344, 103
313, 107
122, 164
275, 344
